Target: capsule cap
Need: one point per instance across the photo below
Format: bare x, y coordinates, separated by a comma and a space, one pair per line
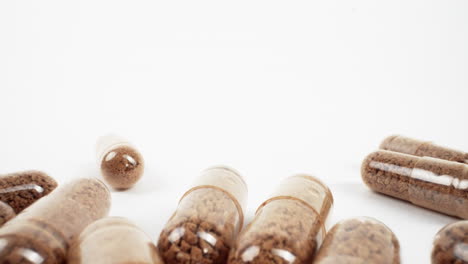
307, 189
225, 178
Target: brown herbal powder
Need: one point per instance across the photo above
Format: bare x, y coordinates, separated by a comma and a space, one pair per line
19, 190
359, 240
283, 231
120, 162
451, 244
435, 184
202, 229
207, 220
423, 148
288, 227
122, 167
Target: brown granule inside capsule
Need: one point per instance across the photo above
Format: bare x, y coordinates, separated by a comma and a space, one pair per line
422, 149
435, 151
6, 213
443, 197
284, 231
122, 167
451, 244
358, 241
401, 144
20, 190
388, 172
428, 182
202, 230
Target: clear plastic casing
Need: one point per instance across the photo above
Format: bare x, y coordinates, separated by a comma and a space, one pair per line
288, 227
422, 148
21, 189
451, 244
120, 162
113, 240
432, 183
207, 220
359, 240
6, 213
42, 233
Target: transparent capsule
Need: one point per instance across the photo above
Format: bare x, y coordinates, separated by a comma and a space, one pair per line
21, 189
6, 213
207, 220
431, 183
42, 233
360, 240
120, 162
288, 227
451, 244
113, 240
422, 148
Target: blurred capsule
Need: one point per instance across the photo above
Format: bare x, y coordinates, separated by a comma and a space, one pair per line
113, 240
6, 213
361, 240
120, 162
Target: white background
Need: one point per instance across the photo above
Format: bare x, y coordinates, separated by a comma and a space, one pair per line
270, 88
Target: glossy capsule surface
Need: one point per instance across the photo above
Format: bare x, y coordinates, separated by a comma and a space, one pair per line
42, 233
19, 190
361, 240
113, 240
120, 162
431, 183
207, 220
288, 227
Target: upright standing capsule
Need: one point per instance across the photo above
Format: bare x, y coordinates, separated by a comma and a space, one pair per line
432, 183
121, 164
288, 227
21, 189
422, 148
113, 240
43, 232
451, 244
6, 213
360, 240
207, 220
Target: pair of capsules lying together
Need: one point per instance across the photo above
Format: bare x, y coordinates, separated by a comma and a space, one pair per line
69, 225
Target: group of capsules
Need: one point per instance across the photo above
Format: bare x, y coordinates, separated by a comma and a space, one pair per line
70, 224
429, 176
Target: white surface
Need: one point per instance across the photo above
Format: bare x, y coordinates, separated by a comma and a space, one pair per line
270, 88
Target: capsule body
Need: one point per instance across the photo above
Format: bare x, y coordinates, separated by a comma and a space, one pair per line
120, 162
288, 227
19, 190
207, 220
42, 233
422, 148
451, 244
432, 183
360, 240
6, 213
113, 240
